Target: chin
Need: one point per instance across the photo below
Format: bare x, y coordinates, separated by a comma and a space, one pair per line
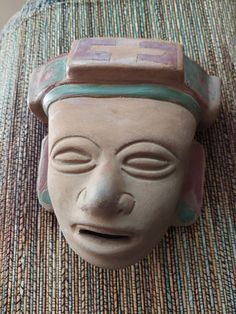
110, 253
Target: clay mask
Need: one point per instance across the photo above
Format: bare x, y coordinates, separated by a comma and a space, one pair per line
120, 164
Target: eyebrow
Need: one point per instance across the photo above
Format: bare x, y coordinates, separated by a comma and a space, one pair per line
69, 137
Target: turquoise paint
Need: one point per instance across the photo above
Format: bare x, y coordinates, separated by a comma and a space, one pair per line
185, 213
196, 78
44, 198
150, 91
56, 70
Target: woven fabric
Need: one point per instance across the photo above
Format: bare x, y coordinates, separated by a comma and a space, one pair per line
193, 268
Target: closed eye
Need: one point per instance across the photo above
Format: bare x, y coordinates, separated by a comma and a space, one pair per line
147, 160
73, 156
73, 161
148, 168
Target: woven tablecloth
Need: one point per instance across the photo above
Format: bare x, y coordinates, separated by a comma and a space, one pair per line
193, 268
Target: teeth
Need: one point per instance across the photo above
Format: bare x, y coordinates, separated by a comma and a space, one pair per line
102, 235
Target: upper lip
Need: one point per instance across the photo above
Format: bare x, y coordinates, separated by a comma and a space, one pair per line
102, 230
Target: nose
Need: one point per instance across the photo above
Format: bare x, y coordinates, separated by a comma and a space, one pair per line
104, 196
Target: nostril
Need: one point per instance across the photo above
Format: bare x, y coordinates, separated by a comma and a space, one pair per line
81, 195
125, 203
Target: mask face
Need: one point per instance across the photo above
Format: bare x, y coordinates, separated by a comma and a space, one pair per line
115, 173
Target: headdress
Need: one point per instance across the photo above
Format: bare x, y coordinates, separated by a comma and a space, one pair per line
122, 67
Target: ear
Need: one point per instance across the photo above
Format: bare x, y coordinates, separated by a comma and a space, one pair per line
189, 206
42, 187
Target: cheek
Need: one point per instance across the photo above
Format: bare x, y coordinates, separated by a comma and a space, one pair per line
156, 201
63, 191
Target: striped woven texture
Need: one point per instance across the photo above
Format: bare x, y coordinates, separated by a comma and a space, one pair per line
193, 268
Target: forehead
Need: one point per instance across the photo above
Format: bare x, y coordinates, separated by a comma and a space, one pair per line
116, 121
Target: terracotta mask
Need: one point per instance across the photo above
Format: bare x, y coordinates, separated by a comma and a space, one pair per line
120, 164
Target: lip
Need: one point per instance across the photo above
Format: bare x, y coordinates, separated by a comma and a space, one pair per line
102, 232
113, 242
102, 251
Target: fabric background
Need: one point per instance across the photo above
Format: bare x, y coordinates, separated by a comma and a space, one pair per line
193, 268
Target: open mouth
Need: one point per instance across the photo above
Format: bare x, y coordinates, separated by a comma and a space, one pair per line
103, 235
101, 241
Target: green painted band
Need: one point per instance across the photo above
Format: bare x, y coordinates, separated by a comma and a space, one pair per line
150, 91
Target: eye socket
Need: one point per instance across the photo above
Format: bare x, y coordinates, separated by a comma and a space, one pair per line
74, 155
147, 160
73, 161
